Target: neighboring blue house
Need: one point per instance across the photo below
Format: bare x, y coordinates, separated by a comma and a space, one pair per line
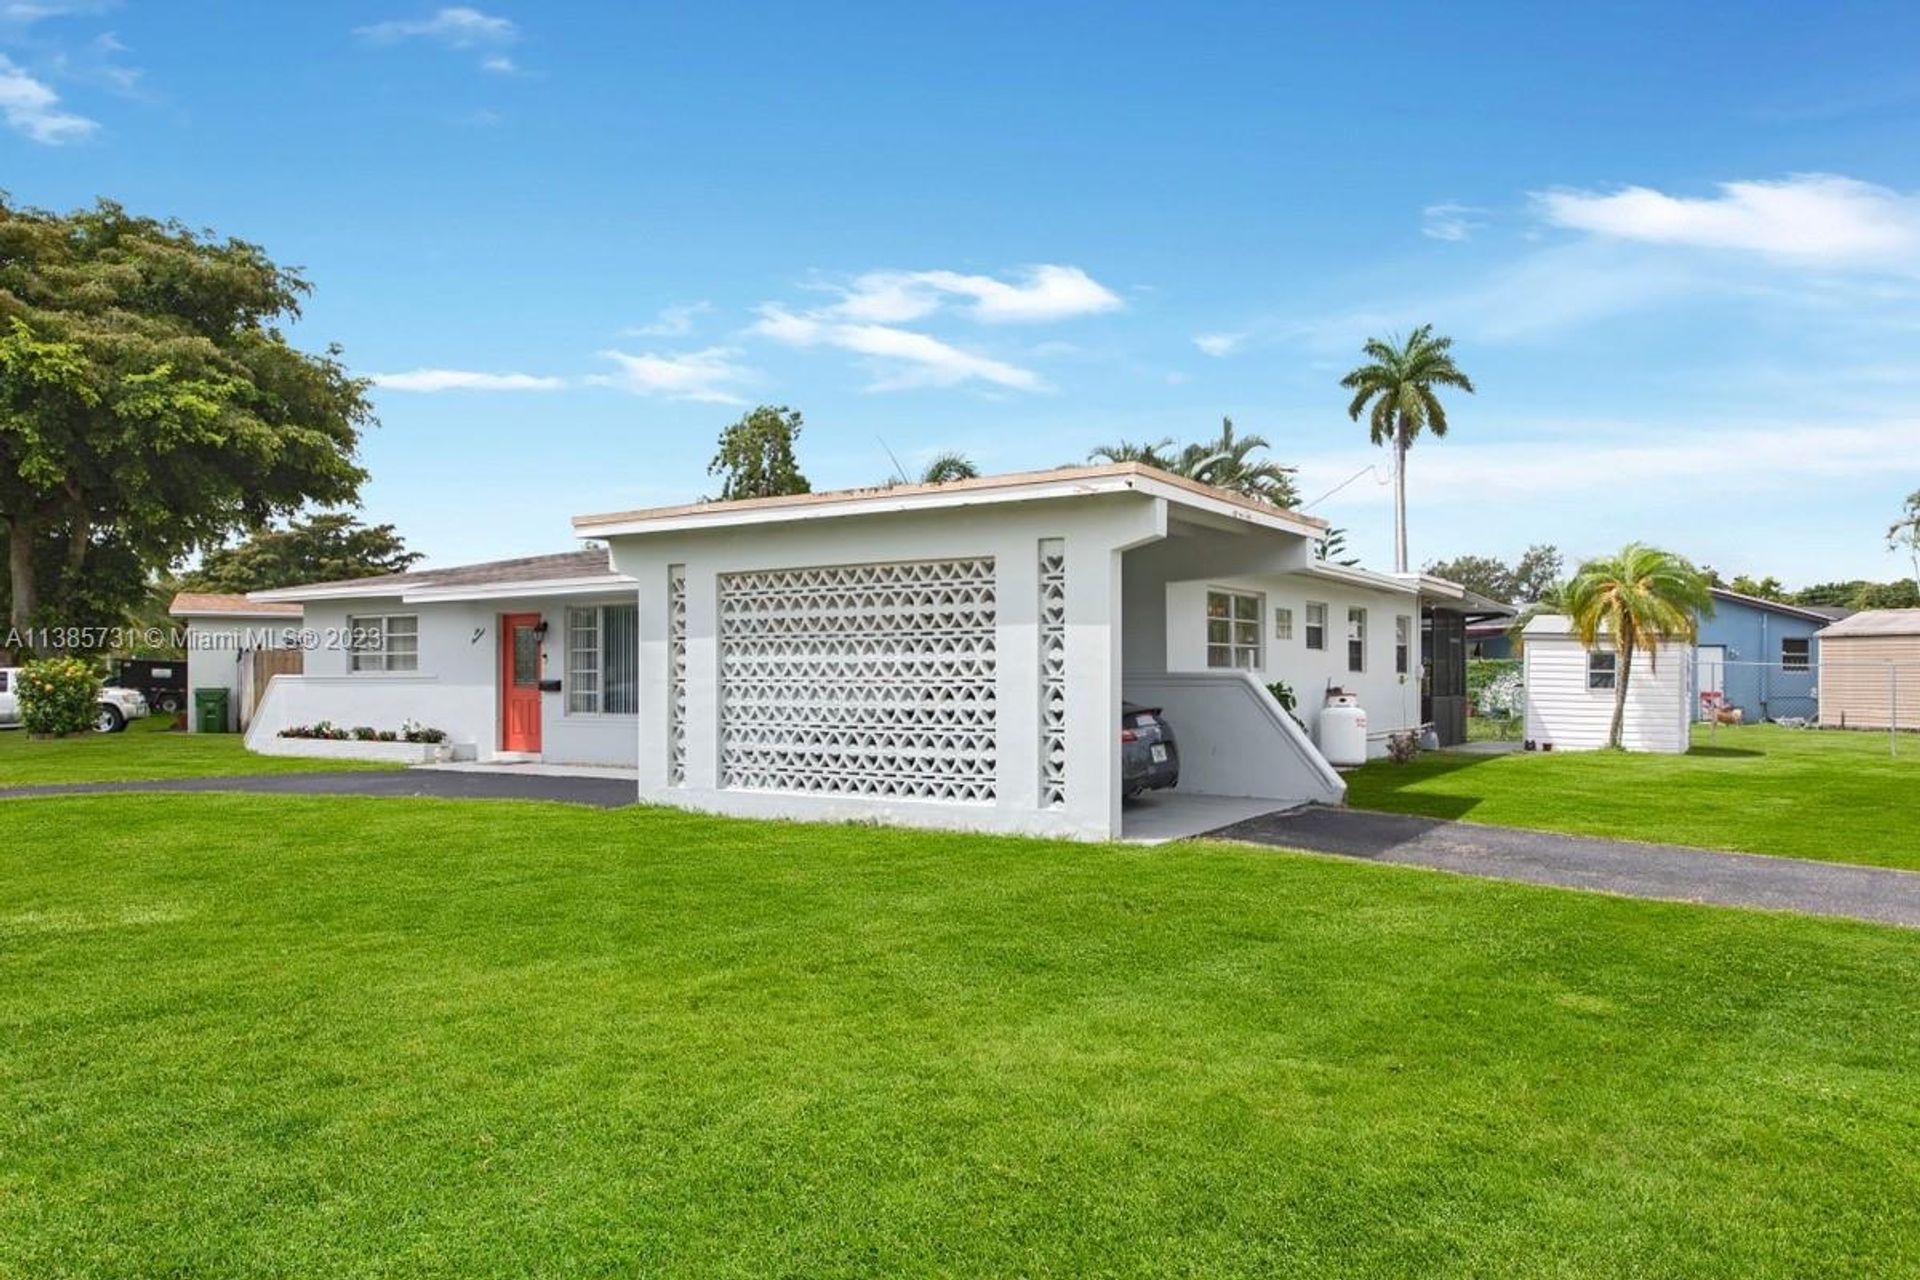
1762, 655
1490, 639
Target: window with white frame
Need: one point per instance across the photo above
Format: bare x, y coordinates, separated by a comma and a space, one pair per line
384, 642
603, 659
1402, 644
1796, 654
1283, 623
1233, 630
1356, 639
1600, 670
1316, 625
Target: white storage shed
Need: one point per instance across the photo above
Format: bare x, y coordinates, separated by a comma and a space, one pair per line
1570, 692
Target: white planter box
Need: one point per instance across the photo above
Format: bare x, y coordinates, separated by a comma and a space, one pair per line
334, 749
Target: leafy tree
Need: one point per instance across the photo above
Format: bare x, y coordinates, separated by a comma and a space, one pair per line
1333, 549
755, 458
1535, 573
1904, 533
1832, 595
1400, 382
1767, 588
1903, 593
328, 547
1226, 462
944, 468
150, 405
1154, 454
1635, 601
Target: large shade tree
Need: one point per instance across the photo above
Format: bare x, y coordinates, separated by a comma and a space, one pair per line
150, 404
1635, 602
329, 546
756, 457
1398, 389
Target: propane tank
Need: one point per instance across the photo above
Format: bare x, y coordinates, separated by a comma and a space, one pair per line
1343, 729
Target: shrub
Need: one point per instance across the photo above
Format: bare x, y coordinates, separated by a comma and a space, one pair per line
58, 696
1403, 747
327, 731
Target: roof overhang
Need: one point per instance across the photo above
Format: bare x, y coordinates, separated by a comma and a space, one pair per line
241, 615
986, 491
597, 584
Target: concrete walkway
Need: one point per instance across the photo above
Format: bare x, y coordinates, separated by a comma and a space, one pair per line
1671, 872
449, 784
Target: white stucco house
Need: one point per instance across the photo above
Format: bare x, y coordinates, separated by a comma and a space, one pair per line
225, 636
1571, 690
945, 655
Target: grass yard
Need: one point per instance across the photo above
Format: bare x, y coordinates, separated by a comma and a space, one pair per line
1832, 795
349, 1037
146, 751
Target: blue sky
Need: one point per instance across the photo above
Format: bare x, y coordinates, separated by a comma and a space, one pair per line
1679, 252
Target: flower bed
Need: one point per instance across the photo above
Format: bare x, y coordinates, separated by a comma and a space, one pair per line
411, 743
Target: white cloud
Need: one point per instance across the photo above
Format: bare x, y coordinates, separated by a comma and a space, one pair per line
1037, 294
1219, 344
430, 380
1807, 218
696, 375
1449, 221
672, 322
907, 358
457, 28
31, 108
1638, 460
500, 64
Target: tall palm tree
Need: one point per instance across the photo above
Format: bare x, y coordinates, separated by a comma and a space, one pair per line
1637, 600
943, 468
1153, 455
1399, 381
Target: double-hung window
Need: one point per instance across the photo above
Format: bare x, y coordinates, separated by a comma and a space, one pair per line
388, 642
1233, 630
1402, 645
1316, 625
1796, 654
1356, 639
603, 659
1600, 669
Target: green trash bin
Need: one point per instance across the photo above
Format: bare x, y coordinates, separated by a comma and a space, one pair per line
210, 710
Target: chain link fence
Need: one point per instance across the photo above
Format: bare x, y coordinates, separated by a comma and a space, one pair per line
1816, 693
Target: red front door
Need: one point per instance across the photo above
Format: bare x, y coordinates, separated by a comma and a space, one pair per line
520, 682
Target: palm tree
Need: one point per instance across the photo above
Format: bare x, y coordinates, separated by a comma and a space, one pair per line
1399, 379
944, 468
1640, 599
1227, 462
1151, 455
1553, 599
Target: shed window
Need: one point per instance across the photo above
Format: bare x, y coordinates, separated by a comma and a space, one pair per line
1316, 625
1796, 654
1283, 623
390, 642
1233, 630
1402, 644
1600, 670
1356, 639
603, 660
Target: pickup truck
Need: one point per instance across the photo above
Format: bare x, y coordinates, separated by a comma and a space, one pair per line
110, 714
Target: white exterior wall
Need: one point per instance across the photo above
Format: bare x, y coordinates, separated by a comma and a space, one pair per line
216, 646
1391, 701
1563, 711
1095, 531
456, 686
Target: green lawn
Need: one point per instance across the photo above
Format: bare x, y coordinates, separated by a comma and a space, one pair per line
147, 750
1832, 795
350, 1037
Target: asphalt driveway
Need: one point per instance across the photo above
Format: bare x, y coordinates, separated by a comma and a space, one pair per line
1672, 872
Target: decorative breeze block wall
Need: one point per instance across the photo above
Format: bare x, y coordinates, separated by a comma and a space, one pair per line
867, 680
676, 675
1053, 673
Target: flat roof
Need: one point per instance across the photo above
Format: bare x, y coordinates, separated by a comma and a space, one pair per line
1059, 482
584, 567
204, 604
1876, 622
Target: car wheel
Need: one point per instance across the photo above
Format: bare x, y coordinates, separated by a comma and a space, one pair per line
108, 720
169, 704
